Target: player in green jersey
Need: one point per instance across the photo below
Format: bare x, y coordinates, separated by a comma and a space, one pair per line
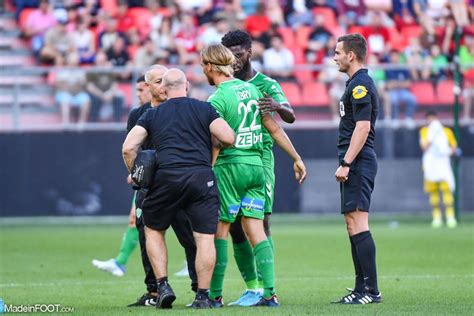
239, 169
274, 100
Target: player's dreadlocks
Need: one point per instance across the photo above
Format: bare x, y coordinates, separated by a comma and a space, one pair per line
237, 37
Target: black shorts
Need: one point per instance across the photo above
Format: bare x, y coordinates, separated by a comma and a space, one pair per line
193, 190
357, 190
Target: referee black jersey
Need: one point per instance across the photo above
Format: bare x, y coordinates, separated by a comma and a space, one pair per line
360, 102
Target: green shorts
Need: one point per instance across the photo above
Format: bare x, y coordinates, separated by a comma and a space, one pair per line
242, 191
269, 189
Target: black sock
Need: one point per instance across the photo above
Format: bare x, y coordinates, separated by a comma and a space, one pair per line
365, 248
162, 281
202, 292
359, 275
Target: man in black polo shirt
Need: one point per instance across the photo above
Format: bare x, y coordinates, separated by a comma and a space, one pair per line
358, 108
181, 224
180, 130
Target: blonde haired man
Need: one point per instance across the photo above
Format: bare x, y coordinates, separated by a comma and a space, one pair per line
239, 169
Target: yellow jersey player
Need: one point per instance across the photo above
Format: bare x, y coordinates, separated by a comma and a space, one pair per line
438, 144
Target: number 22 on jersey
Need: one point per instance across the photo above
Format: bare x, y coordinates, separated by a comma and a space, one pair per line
249, 134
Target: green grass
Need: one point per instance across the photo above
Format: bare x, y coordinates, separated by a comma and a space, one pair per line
421, 270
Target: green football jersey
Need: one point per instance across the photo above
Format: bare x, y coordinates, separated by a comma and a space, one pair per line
270, 86
236, 101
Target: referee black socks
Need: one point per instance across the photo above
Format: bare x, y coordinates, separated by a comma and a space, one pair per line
359, 281
365, 249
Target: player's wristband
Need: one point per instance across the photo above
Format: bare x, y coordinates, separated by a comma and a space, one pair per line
344, 163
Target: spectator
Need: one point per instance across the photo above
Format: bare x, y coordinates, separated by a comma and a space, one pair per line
110, 34
439, 64
336, 82
70, 90
106, 99
57, 44
278, 60
147, 55
201, 9
37, 23
89, 9
275, 13
403, 13
378, 75
259, 23
117, 54
214, 31
297, 14
84, 42
398, 86
320, 35
233, 12
186, 40
22, 4
377, 35
353, 10
125, 21
466, 59
163, 40
418, 60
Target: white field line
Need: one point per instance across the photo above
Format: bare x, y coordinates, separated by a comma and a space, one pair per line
300, 278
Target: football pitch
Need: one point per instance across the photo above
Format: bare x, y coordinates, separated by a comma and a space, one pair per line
421, 270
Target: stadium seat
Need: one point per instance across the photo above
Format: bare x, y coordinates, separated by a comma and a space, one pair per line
315, 94
355, 29
141, 19
445, 92
303, 76
288, 36
35, 119
302, 35
424, 93
409, 32
329, 16
25, 13
396, 39
298, 55
292, 93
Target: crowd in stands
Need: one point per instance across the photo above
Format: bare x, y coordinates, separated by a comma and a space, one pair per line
418, 37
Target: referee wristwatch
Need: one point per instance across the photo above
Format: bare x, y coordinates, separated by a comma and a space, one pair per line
344, 163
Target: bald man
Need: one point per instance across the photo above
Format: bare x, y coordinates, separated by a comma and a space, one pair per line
181, 224
180, 130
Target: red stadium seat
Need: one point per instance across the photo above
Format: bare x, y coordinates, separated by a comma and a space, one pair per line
298, 54
302, 36
445, 92
141, 19
315, 94
292, 93
424, 93
355, 29
329, 16
304, 75
25, 13
398, 41
288, 36
409, 32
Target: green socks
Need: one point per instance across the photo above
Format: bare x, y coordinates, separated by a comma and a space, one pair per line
245, 261
217, 280
266, 266
129, 242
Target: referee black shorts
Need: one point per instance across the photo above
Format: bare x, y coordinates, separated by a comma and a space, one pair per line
357, 190
193, 190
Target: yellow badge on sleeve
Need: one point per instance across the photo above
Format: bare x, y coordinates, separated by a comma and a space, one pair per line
359, 92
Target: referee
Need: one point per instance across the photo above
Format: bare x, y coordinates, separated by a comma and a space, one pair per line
358, 108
